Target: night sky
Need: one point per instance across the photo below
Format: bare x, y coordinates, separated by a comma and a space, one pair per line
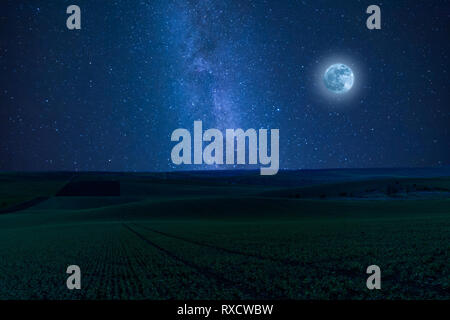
108, 96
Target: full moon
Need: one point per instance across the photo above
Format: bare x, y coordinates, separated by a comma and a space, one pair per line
339, 78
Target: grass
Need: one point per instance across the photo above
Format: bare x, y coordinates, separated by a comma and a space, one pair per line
250, 242
17, 188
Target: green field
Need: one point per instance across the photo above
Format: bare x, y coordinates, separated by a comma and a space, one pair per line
228, 236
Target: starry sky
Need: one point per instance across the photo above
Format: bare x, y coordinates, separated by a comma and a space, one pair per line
108, 96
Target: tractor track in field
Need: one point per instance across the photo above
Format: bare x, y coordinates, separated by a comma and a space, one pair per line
290, 262
199, 269
202, 244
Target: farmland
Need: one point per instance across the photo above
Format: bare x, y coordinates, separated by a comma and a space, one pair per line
228, 235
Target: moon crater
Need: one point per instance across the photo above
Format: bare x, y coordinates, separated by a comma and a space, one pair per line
339, 78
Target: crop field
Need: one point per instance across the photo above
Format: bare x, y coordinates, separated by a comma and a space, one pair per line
199, 236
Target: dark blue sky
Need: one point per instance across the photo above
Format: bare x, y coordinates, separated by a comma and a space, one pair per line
107, 97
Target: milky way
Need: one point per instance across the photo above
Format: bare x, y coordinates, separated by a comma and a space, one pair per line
211, 64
